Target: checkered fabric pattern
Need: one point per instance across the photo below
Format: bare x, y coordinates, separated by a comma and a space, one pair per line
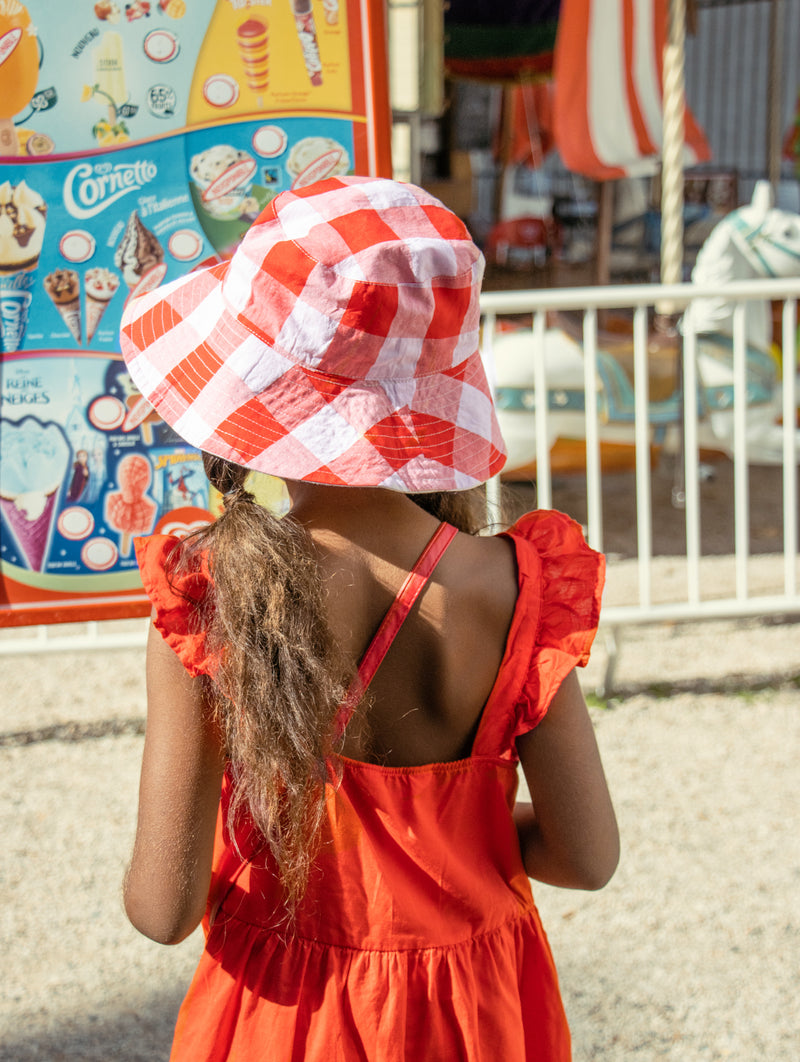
338, 345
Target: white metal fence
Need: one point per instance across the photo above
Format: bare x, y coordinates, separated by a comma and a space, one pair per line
739, 405
745, 421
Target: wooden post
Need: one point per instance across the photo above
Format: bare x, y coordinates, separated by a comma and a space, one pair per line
605, 224
672, 154
506, 140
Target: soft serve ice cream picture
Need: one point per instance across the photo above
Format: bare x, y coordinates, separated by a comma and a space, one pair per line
139, 256
36, 459
23, 213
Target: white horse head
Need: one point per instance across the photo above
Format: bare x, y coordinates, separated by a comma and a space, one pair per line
755, 241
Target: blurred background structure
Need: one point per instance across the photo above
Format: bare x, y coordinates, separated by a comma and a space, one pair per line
472, 87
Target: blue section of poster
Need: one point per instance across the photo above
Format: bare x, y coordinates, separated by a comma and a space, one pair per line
105, 228
85, 468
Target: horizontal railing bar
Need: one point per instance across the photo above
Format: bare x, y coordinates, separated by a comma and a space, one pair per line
621, 295
685, 611
71, 643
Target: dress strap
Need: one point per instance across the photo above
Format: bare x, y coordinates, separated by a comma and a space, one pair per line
398, 611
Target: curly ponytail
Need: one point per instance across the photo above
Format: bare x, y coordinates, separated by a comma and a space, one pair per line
280, 680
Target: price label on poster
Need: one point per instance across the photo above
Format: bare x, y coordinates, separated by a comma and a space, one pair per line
139, 141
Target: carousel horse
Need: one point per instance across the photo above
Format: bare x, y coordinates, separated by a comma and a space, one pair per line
754, 241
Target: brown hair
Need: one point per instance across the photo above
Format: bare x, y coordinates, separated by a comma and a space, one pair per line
280, 678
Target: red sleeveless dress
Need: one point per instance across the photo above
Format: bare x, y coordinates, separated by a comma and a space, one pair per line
418, 937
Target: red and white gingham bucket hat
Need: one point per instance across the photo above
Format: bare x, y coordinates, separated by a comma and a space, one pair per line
338, 345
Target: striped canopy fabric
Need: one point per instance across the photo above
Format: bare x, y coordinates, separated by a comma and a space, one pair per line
608, 103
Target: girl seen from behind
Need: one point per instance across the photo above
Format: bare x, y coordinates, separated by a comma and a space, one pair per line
338, 700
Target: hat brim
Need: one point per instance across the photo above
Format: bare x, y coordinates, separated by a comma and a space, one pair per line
229, 393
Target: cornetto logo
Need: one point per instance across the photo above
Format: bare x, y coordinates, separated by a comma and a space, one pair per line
89, 188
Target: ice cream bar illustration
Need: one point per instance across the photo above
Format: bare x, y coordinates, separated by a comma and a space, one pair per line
36, 459
307, 34
99, 285
130, 511
23, 214
109, 72
19, 69
140, 415
63, 287
253, 41
331, 9
137, 252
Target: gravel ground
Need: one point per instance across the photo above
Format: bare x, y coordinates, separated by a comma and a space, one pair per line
690, 953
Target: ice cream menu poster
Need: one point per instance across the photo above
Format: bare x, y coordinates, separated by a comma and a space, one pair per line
138, 141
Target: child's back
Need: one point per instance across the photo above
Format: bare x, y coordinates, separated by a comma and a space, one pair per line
338, 702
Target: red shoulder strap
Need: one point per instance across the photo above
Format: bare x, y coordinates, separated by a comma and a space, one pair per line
393, 620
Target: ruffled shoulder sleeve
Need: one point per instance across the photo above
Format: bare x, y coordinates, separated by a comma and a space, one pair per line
555, 622
175, 599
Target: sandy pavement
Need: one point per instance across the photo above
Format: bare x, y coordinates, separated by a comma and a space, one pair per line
691, 953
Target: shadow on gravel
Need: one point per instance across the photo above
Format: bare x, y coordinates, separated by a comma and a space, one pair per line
140, 1035
744, 686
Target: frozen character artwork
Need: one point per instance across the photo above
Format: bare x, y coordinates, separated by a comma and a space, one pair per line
80, 476
34, 465
96, 466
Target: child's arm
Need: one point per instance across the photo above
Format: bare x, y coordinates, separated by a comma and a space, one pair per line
167, 883
569, 837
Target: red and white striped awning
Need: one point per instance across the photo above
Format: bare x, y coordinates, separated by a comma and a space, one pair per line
608, 89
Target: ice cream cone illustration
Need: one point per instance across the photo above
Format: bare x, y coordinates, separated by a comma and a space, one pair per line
19, 69
307, 35
35, 462
137, 252
63, 287
23, 214
130, 511
253, 41
99, 285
